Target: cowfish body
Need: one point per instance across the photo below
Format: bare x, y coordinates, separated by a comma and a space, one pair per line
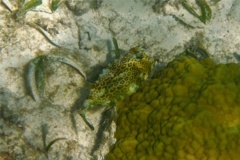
121, 78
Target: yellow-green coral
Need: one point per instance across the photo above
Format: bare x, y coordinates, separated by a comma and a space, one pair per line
189, 111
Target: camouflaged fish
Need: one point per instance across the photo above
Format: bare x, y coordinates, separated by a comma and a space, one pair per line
120, 79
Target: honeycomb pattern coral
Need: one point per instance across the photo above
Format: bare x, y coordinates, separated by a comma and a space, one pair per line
188, 111
120, 78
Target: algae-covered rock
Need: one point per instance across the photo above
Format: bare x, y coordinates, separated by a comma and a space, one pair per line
188, 111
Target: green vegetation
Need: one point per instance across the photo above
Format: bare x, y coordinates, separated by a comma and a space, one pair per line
55, 4
28, 5
47, 147
36, 76
206, 12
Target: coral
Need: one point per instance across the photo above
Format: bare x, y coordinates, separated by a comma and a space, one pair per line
189, 110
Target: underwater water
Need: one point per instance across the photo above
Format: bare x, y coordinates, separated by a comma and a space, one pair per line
119, 79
